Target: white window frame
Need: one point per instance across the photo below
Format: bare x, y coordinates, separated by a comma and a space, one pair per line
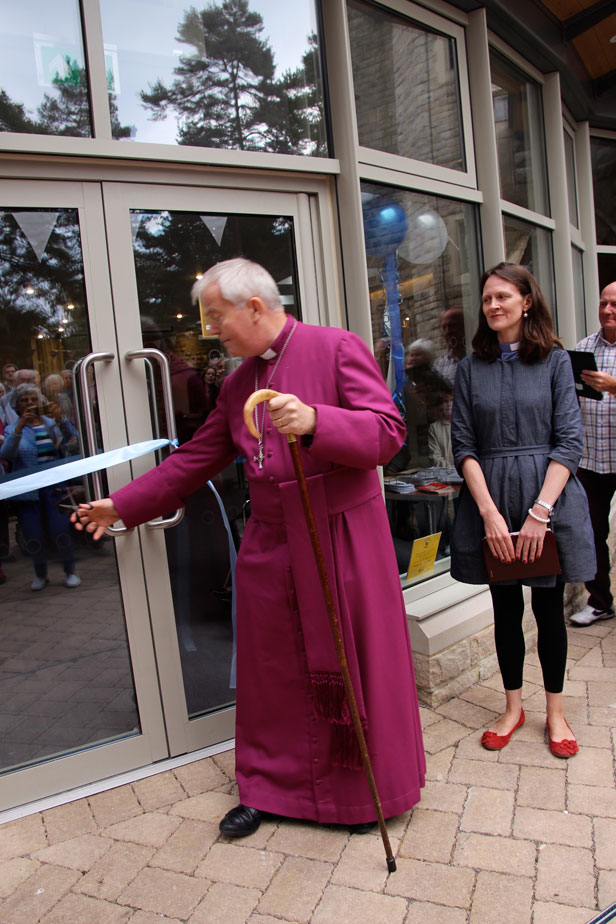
420, 16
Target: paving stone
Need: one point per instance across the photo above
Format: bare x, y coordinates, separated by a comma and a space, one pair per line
362, 864
483, 773
601, 694
592, 767
607, 888
37, 895
348, 906
113, 872
592, 800
21, 837
430, 836
549, 913
207, 806
542, 787
437, 882
437, 765
296, 889
67, 821
565, 876
472, 749
427, 716
226, 903
240, 865
489, 811
15, 871
157, 791
164, 892
424, 912
469, 714
502, 899
553, 827
317, 842
443, 734
395, 826
79, 909
114, 805
601, 715
496, 854
226, 761
605, 843
529, 754
444, 797
77, 853
200, 776
187, 846
151, 830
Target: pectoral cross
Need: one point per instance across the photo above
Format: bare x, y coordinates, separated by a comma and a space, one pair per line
259, 458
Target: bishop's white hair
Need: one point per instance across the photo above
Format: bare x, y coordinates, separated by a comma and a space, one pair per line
238, 280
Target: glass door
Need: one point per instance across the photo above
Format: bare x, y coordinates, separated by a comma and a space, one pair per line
78, 672
160, 240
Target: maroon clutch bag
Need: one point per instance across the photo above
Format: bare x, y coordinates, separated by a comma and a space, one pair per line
547, 564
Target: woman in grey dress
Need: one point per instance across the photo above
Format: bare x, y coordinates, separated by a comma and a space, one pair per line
517, 440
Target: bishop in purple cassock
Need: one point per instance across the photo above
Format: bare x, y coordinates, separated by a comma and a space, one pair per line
295, 748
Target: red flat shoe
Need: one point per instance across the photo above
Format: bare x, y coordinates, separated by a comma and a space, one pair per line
568, 747
493, 742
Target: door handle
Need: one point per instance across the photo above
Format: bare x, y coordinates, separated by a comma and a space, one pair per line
149, 353
88, 421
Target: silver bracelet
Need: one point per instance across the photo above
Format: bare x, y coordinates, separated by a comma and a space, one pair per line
548, 507
535, 517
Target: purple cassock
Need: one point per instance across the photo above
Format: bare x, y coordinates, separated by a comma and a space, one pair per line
295, 747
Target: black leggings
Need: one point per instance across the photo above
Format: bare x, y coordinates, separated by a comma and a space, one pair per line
548, 608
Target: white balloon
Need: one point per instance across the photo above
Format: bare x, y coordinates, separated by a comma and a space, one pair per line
426, 237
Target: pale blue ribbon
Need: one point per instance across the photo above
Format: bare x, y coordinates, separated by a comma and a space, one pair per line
66, 471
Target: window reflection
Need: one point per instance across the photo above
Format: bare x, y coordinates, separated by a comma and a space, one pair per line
238, 74
423, 272
532, 247
43, 84
406, 87
170, 249
603, 154
520, 139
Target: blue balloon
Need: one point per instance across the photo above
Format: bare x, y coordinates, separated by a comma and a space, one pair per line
385, 225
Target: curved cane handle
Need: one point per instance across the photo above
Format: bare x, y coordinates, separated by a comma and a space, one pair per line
263, 394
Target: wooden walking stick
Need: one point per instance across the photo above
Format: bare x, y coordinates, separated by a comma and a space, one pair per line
264, 394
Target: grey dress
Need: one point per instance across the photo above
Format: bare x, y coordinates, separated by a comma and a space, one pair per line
514, 418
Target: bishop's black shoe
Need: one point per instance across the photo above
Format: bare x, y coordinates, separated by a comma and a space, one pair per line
240, 821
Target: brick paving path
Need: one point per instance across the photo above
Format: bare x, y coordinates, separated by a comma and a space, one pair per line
514, 837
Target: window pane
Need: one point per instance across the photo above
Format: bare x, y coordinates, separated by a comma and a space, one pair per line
406, 87
571, 189
243, 74
423, 271
532, 247
518, 117
43, 84
604, 182
578, 294
66, 682
607, 269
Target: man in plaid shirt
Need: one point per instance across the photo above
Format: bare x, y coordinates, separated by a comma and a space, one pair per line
597, 470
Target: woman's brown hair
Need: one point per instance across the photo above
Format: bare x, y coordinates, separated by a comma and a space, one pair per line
538, 337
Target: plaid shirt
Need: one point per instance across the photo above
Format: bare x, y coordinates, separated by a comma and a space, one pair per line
599, 417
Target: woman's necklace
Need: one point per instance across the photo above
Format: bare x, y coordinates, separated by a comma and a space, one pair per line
261, 429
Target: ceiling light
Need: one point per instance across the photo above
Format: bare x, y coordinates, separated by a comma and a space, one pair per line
29, 290
60, 330
70, 307
178, 316
198, 275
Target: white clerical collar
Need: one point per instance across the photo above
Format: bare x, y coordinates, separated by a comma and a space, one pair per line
269, 354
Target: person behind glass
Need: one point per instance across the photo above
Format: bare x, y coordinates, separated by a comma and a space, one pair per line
296, 753
517, 440
423, 394
439, 432
597, 470
211, 388
32, 442
452, 328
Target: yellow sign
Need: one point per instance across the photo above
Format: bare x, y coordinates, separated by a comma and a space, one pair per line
423, 555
